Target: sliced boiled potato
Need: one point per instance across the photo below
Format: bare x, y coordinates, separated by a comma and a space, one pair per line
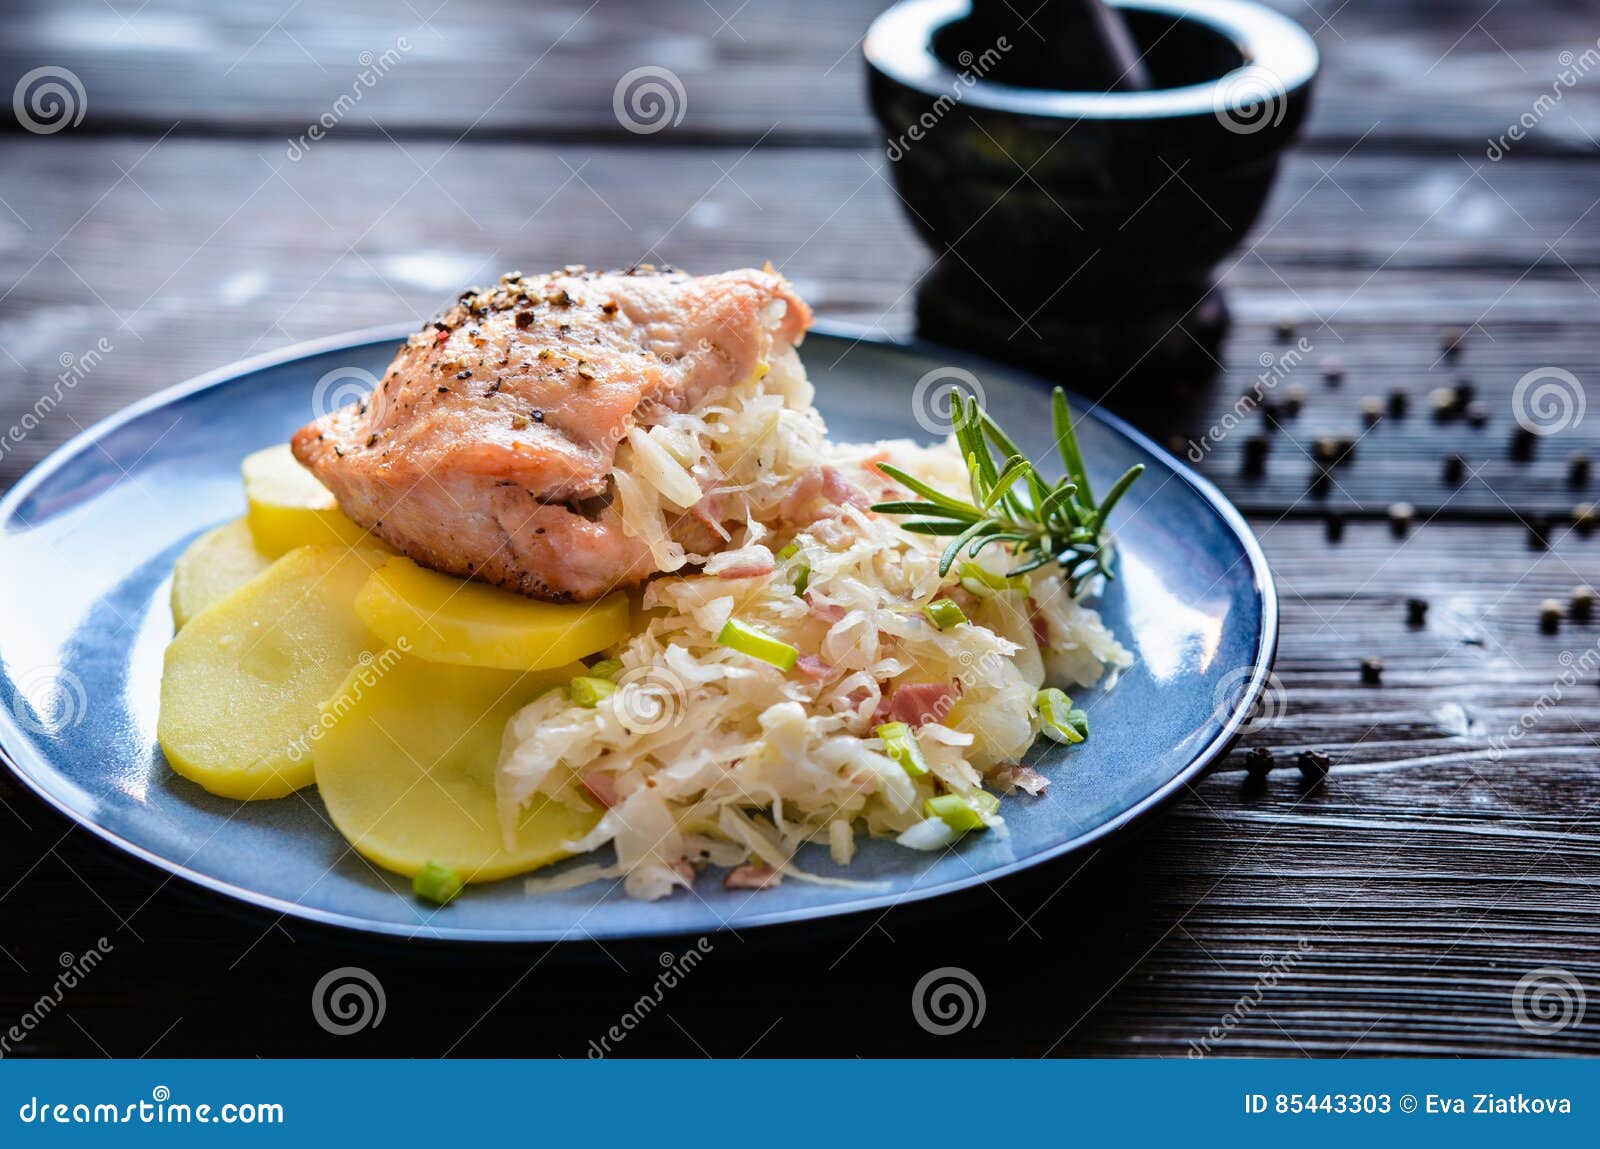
290, 508
406, 762
446, 619
215, 565
243, 681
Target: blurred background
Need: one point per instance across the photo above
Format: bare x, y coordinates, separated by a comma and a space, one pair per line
184, 184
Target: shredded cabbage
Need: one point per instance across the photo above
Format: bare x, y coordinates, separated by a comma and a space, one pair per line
706, 755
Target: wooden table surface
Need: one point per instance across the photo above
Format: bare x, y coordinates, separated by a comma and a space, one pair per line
1395, 909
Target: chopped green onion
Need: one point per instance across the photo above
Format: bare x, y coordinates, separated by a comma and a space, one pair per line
746, 639
962, 813
944, 614
1062, 721
800, 572
901, 745
587, 691
983, 582
436, 883
605, 668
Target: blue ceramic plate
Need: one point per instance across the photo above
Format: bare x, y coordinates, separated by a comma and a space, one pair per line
88, 539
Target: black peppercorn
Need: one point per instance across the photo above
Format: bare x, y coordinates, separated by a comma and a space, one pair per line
1577, 469
1416, 611
1256, 449
1314, 765
1455, 469
1583, 519
1399, 403
1371, 671
1400, 516
1580, 607
1522, 444
1539, 534
1478, 414
1258, 761
1549, 616
1333, 526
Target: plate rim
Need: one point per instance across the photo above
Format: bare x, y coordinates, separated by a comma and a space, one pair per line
1265, 654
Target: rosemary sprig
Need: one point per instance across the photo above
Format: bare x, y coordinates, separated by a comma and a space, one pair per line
1012, 504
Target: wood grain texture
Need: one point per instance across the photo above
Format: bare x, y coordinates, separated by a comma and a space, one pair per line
1392, 910
1453, 74
1395, 909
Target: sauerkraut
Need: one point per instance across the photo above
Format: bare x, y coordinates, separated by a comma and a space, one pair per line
706, 755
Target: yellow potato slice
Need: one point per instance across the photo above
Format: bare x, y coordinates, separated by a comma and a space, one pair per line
289, 508
446, 619
405, 766
215, 565
243, 681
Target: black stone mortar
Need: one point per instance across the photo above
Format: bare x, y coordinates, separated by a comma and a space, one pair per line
1079, 233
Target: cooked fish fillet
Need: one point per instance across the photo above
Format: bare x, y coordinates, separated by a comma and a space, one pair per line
487, 448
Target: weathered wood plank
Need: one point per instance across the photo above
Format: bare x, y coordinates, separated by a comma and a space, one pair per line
205, 252
1438, 73
1395, 908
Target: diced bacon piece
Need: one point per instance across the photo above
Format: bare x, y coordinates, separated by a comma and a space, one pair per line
751, 876
915, 703
825, 611
684, 870
813, 667
819, 485
1041, 626
602, 786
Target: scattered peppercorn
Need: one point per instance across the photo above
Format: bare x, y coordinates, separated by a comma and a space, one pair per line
1314, 765
1577, 469
1294, 398
1466, 393
1333, 370
1344, 450
1416, 612
1399, 403
1371, 671
1522, 444
1549, 616
1450, 341
1256, 449
1333, 526
1324, 450
1258, 761
1321, 480
1371, 409
464, 374
1400, 516
1284, 328
1539, 534
1580, 607
1455, 469
1442, 401
1478, 413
